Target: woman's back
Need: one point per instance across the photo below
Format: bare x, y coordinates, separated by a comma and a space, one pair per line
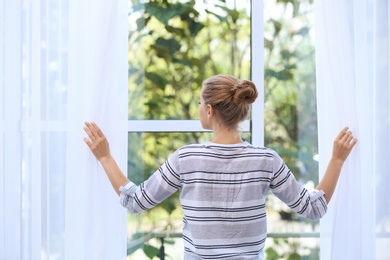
223, 195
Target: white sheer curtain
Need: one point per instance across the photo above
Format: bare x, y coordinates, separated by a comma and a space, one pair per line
61, 63
352, 56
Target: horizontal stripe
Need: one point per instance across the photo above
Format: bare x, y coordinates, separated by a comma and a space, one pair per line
228, 173
222, 156
226, 182
224, 256
225, 219
215, 209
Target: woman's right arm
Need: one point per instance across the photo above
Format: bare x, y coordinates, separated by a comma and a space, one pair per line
342, 147
164, 182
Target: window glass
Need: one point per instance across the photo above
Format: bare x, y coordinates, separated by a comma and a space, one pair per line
291, 116
175, 45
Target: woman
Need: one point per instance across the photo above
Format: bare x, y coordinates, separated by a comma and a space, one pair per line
224, 183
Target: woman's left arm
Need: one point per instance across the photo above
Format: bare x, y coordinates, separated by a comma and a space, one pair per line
100, 148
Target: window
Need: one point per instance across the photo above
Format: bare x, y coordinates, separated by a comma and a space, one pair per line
291, 118
173, 47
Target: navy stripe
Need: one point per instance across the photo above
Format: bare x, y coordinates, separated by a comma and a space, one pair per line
284, 180
222, 156
136, 199
170, 169
228, 182
323, 202
167, 180
305, 206
241, 209
213, 246
227, 173
145, 195
223, 256
299, 200
281, 169
225, 219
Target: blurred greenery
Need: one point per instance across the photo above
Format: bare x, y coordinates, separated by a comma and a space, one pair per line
291, 249
174, 45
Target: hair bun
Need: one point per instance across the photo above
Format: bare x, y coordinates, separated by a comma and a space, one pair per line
245, 91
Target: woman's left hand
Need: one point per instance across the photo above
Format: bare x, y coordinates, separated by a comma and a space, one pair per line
97, 141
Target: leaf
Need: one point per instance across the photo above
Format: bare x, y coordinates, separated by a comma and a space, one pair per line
142, 22
151, 251
184, 62
284, 74
233, 13
158, 80
165, 48
294, 256
277, 26
194, 27
272, 254
286, 54
196, 62
171, 44
219, 17
268, 44
303, 31
175, 30
160, 13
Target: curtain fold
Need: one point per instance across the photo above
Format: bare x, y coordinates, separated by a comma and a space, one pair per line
352, 59
10, 137
61, 63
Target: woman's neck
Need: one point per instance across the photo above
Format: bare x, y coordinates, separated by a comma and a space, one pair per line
227, 136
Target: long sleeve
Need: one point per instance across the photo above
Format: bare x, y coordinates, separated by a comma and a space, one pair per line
161, 184
311, 205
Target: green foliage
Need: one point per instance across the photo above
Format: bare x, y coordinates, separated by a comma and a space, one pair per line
174, 47
151, 251
290, 249
289, 88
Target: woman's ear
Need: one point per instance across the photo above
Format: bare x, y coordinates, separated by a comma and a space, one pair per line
209, 111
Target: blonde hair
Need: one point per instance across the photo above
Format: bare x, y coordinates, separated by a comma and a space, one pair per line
230, 98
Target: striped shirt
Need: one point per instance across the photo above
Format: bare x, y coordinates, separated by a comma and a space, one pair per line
223, 191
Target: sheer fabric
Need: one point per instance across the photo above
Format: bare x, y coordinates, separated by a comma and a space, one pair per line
352, 56
61, 63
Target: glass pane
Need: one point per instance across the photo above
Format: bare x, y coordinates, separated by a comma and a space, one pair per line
175, 45
290, 108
